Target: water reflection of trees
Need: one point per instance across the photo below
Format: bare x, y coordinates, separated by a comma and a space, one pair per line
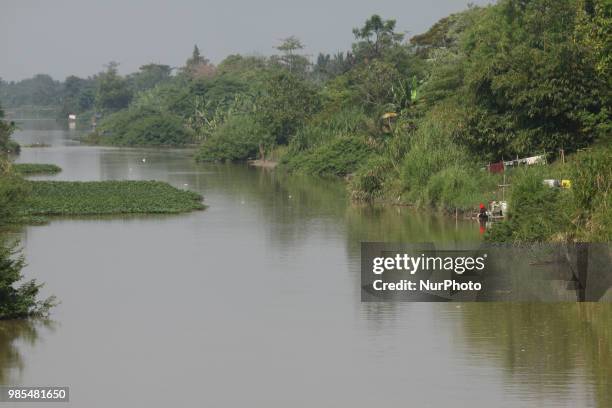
402, 224
294, 202
13, 332
291, 205
544, 345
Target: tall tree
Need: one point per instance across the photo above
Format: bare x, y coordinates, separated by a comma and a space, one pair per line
197, 66
287, 102
375, 37
148, 76
113, 91
290, 58
533, 86
328, 66
78, 95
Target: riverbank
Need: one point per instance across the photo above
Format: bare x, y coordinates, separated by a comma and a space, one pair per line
266, 164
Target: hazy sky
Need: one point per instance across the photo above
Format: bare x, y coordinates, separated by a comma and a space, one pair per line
63, 37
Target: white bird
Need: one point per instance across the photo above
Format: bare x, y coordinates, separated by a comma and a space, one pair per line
144, 160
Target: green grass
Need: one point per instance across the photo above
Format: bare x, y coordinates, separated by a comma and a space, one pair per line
109, 197
338, 157
32, 169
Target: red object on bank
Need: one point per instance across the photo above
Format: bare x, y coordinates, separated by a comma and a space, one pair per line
496, 167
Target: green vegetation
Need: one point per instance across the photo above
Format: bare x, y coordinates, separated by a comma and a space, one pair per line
109, 197
237, 139
113, 92
139, 127
31, 169
18, 299
410, 122
7, 145
338, 157
40, 90
542, 213
13, 192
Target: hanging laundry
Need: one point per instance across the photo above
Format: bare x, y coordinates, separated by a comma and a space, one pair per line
496, 167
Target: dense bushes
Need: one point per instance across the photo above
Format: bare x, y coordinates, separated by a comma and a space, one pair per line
239, 138
327, 125
459, 187
285, 104
436, 171
537, 212
13, 190
338, 157
591, 175
531, 80
541, 213
7, 145
412, 123
11, 147
369, 182
333, 143
18, 300
142, 127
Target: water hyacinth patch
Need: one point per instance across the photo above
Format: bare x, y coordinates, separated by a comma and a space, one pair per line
32, 169
109, 197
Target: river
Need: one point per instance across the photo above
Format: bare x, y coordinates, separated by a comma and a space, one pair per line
255, 302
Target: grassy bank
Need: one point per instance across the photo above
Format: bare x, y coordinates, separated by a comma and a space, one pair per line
34, 169
580, 213
410, 121
108, 197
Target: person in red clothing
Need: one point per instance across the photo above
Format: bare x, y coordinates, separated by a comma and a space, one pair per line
482, 213
482, 218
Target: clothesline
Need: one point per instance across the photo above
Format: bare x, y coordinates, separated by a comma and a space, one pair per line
501, 165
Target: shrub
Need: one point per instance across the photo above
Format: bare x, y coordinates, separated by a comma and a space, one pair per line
536, 212
368, 182
591, 176
431, 150
142, 127
7, 145
458, 187
18, 301
338, 157
582, 213
13, 192
328, 125
12, 147
239, 138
